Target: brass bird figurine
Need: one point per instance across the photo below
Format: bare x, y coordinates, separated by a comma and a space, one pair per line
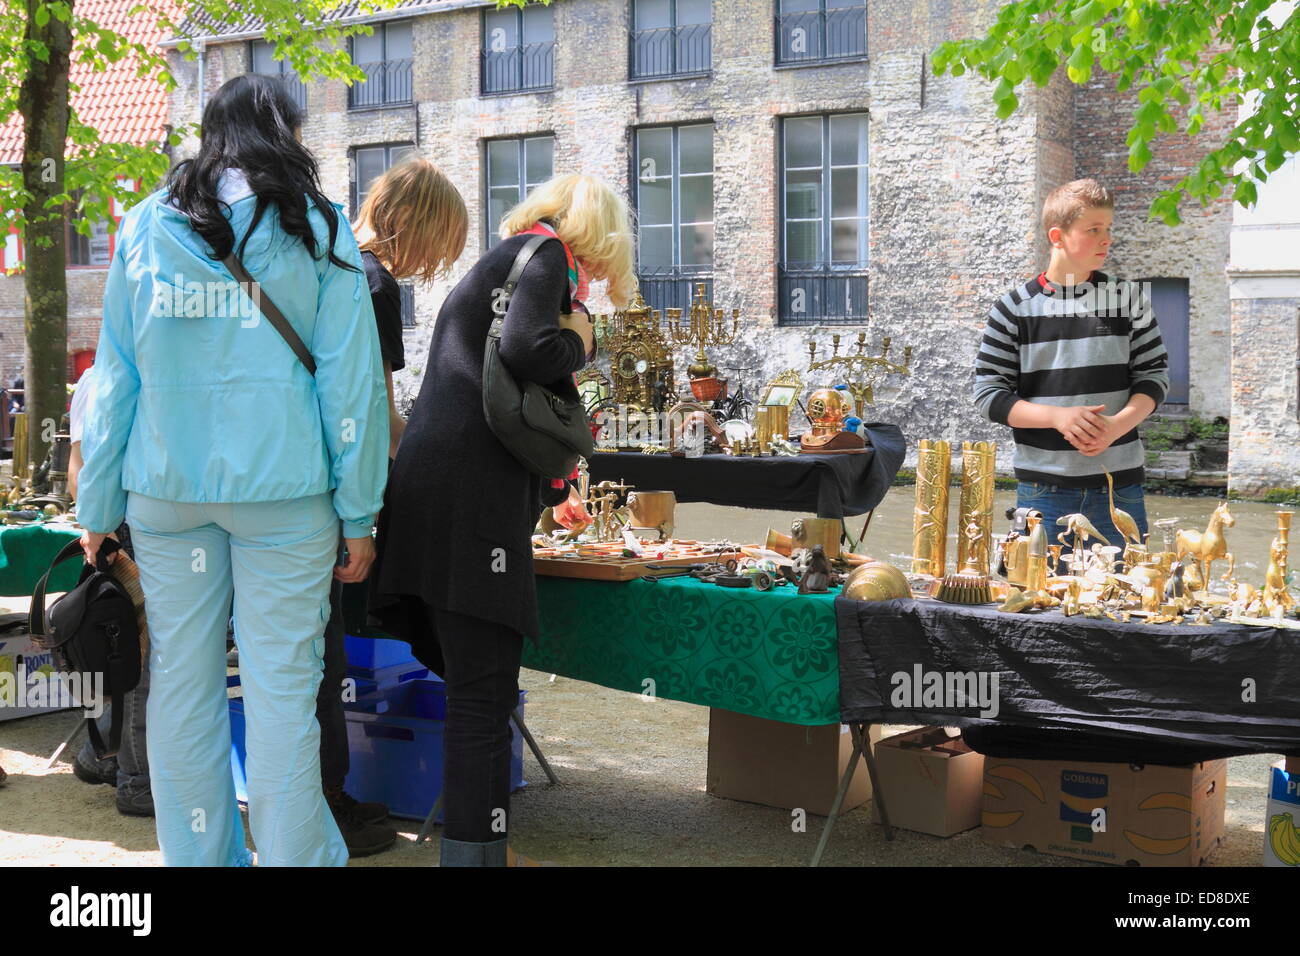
1077, 524
1124, 522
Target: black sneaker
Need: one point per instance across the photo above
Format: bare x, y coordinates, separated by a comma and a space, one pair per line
362, 838
365, 812
103, 771
135, 803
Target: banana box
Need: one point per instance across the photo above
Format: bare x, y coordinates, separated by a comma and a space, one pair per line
21, 666
1126, 814
1281, 839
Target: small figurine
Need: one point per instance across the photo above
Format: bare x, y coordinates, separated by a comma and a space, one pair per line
1123, 521
1208, 546
816, 577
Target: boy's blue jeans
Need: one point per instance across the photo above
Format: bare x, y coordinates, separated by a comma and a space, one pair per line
1093, 503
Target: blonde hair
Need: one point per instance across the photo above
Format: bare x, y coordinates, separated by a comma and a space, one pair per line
413, 220
592, 219
1065, 204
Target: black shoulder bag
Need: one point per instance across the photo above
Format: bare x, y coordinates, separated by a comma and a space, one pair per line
92, 631
546, 432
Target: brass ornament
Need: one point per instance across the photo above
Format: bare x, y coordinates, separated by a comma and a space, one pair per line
706, 326
1276, 598
641, 357
1208, 546
930, 516
876, 581
861, 370
975, 517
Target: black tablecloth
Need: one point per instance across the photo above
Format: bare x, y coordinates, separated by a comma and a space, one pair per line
1227, 686
831, 486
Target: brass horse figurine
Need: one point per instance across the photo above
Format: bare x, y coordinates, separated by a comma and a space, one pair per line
1208, 546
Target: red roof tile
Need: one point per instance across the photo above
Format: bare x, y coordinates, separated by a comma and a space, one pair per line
123, 107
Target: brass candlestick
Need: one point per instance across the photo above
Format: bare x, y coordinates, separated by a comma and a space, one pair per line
707, 327
930, 517
867, 369
975, 517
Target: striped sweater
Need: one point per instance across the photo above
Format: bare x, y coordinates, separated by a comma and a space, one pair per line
1094, 344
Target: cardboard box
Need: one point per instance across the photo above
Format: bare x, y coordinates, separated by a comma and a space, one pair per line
1106, 812
931, 781
1280, 847
19, 659
783, 765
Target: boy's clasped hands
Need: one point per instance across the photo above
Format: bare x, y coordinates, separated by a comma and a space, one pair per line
1087, 429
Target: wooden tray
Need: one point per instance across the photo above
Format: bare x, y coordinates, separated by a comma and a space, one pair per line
604, 562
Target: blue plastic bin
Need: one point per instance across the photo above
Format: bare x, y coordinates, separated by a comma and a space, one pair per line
394, 744
395, 741
376, 652
371, 679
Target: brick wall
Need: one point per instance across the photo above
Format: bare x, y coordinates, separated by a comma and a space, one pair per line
1196, 250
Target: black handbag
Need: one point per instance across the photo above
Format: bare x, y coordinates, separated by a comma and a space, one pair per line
547, 433
90, 631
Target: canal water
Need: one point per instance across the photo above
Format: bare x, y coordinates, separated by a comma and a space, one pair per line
890, 534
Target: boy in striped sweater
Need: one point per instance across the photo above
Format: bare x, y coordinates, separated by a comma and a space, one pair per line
1073, 361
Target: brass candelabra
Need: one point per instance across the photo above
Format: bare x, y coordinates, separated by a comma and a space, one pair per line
707, 326
868, 369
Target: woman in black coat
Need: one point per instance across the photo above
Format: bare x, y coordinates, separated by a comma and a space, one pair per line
454, 572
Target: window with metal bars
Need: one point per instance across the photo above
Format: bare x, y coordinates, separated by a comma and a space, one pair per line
386, 57
822, 275
518, 51
671, 38
673, 195
820, 31
261, 59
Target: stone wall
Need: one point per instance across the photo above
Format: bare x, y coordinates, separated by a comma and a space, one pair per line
1265, 417
954, 193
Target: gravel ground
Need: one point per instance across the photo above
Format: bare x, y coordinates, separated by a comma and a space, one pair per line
632, 793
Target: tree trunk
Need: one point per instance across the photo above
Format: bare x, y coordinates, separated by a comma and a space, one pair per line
43, 102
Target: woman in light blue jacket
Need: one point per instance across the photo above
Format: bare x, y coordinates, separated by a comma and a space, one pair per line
235, 467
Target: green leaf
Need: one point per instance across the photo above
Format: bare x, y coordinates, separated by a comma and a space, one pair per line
1139, 155
1287, 135
1079, 66
1245, 193
42, 15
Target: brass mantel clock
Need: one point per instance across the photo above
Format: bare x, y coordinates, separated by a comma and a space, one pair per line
641, 359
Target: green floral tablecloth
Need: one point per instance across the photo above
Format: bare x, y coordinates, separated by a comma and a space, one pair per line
25, 554
770, 654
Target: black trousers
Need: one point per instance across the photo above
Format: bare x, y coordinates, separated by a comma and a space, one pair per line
481, 670
329, 700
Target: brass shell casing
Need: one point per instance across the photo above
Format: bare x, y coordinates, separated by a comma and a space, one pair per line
1036, 557
930, 521
974, 545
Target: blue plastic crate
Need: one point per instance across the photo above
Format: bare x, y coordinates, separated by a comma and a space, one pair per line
395, 741
370, 679
376, 652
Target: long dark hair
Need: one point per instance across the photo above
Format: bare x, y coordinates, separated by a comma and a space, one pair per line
249, 123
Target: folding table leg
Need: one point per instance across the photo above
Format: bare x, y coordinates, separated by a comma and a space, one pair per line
427, 827
67, 742
532, 745
861, 746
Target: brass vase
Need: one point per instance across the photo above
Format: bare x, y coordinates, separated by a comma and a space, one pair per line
930, 518
975, 522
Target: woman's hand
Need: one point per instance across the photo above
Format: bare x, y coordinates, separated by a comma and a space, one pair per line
90, 542
361, 554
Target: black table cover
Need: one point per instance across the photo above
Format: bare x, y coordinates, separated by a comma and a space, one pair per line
1228, 686
831, 486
